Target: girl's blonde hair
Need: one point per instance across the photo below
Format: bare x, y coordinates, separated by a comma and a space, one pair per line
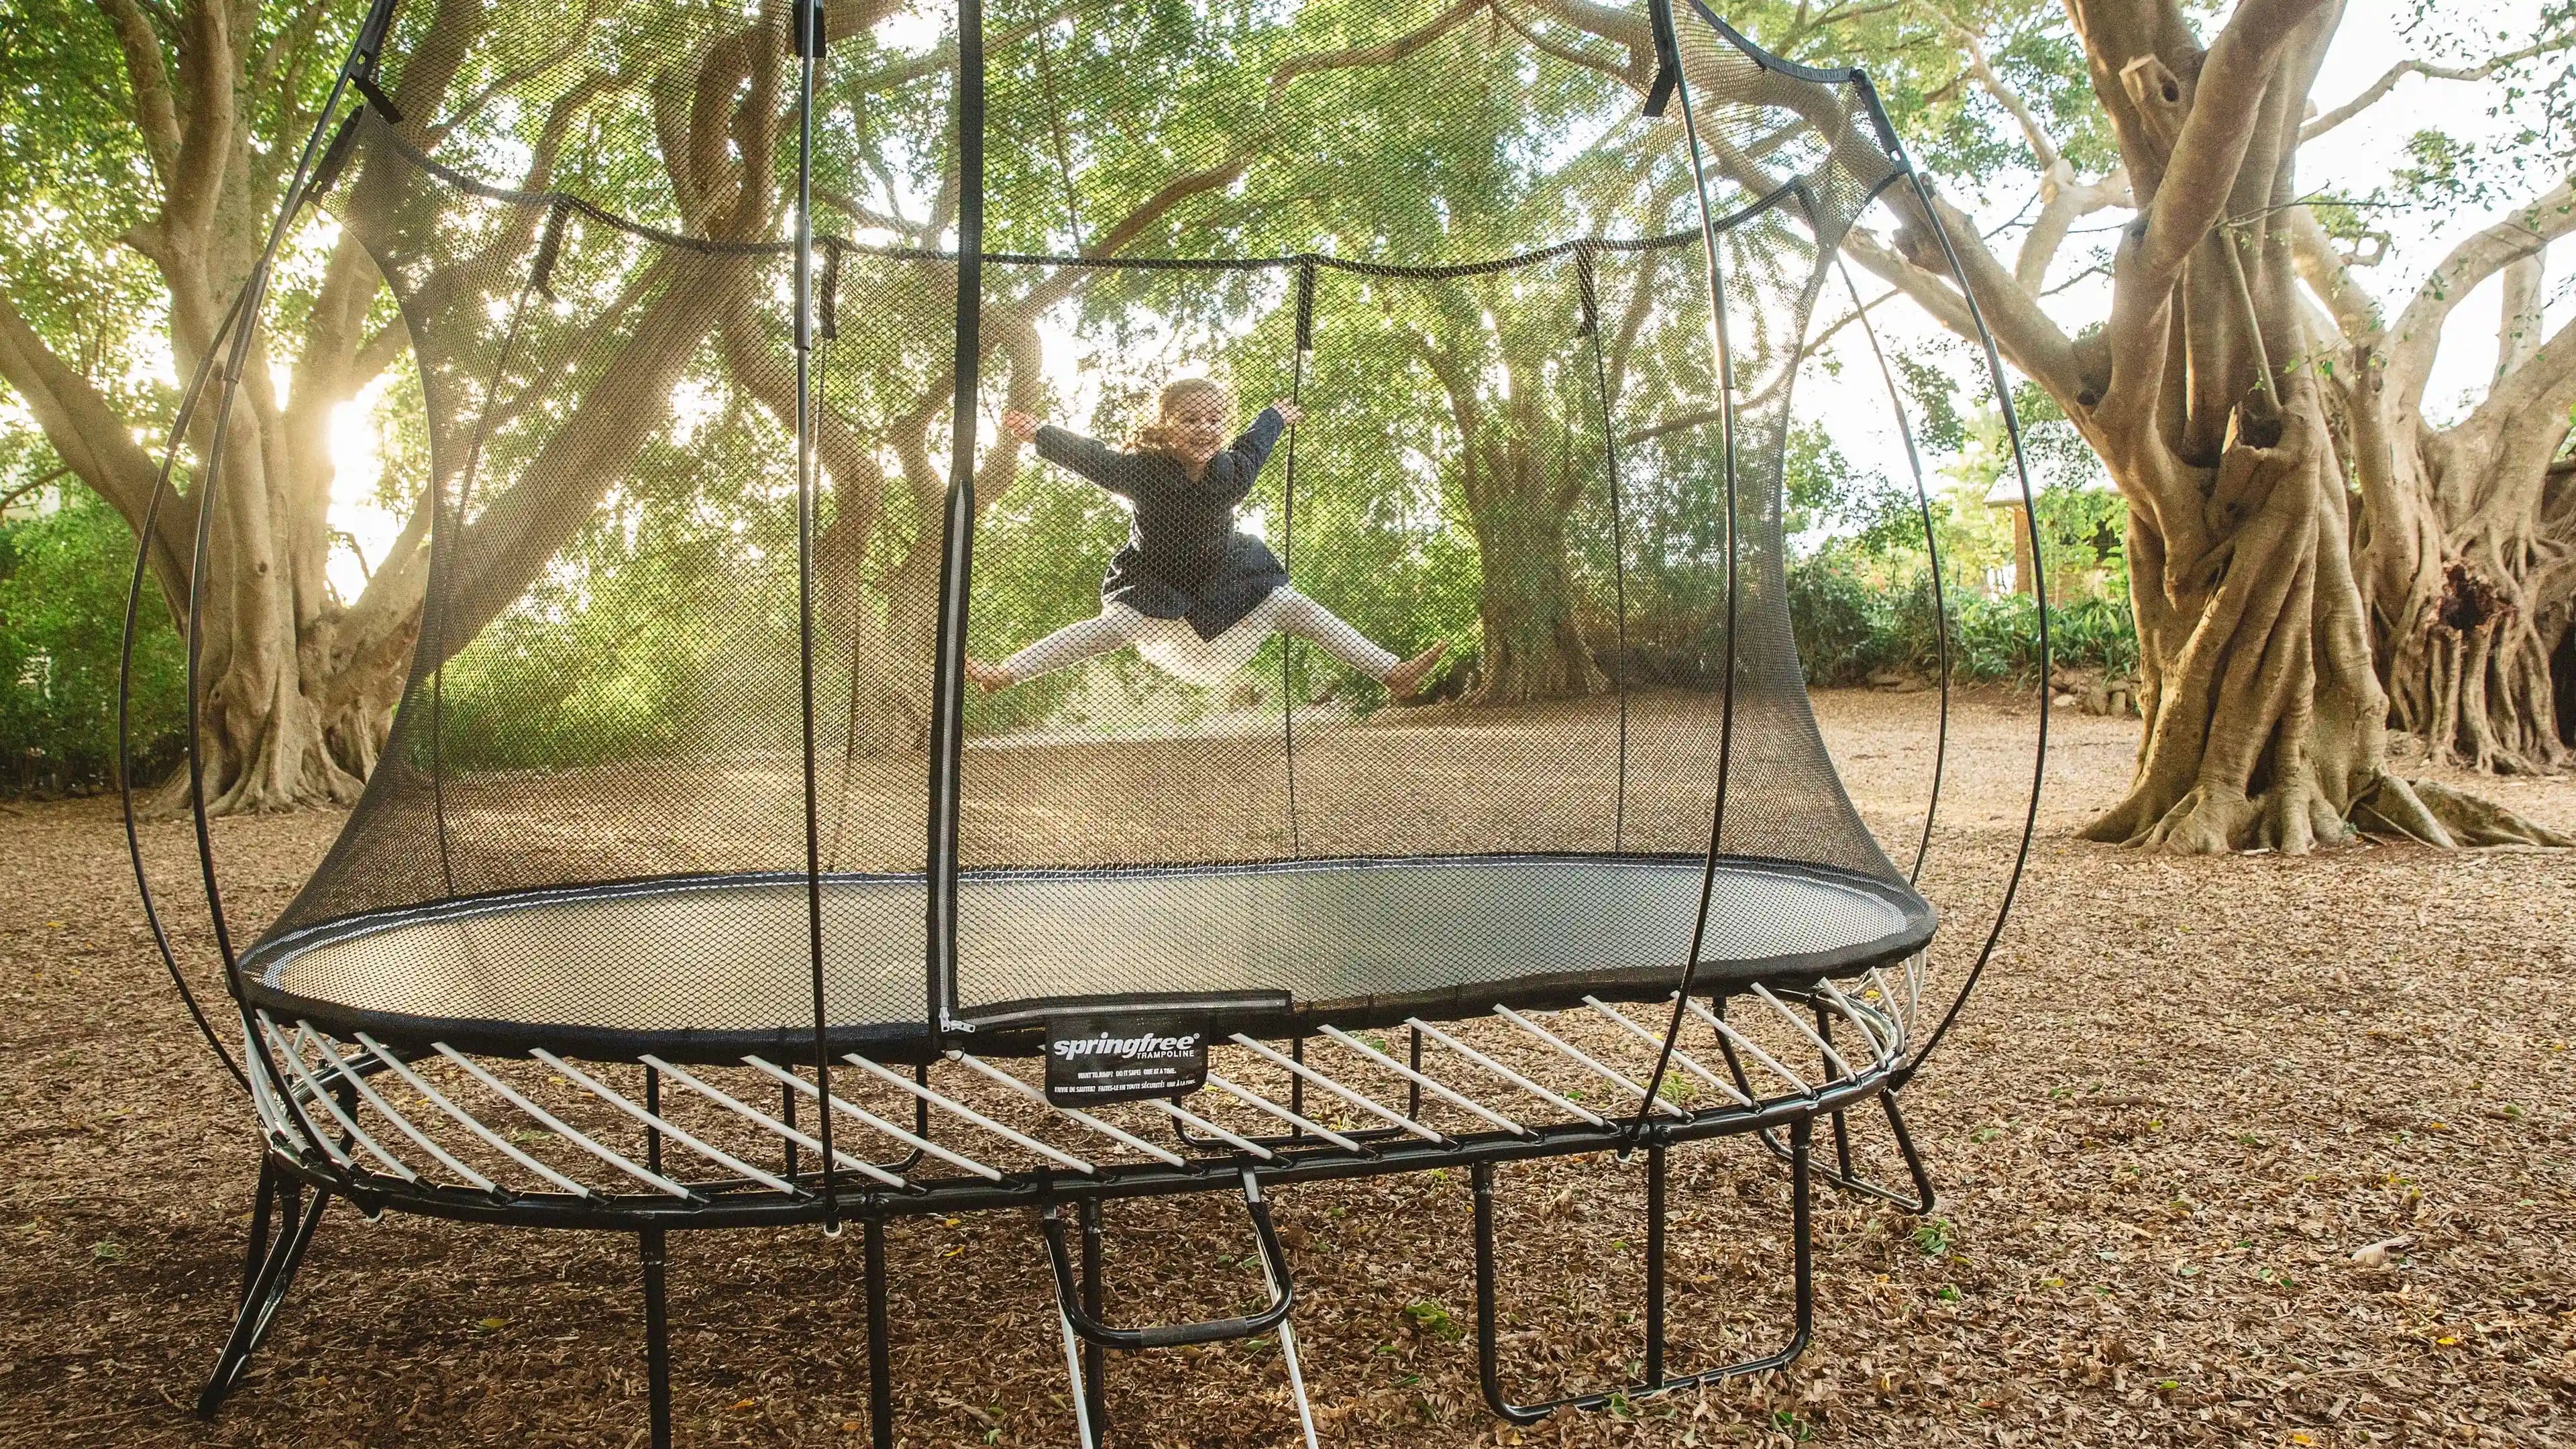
1160, 436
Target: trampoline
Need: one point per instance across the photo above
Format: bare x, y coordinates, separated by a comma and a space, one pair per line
693, 889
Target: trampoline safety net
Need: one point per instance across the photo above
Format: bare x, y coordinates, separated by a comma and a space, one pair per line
721, 507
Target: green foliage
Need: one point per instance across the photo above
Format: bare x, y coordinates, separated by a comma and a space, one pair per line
62, 612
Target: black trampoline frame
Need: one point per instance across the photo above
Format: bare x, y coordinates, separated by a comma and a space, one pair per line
299, 1175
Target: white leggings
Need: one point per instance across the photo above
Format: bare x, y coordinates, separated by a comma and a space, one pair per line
1174, 647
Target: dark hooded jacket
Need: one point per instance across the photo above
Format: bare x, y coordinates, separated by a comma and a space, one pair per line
1183, 559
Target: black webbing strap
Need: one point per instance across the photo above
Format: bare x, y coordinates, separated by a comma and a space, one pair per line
334, 158
549, 247
1305, 306
366, 85
1587, 297
827, 301
1668, 58
1288, 544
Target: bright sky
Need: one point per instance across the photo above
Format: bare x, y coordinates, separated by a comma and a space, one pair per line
2350, 160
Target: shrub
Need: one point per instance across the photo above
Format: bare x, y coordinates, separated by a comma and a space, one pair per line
62, 612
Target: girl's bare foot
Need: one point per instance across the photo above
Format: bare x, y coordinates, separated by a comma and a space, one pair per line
1405, 678
988, 677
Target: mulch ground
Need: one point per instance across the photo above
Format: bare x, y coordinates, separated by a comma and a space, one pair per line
2234, 1151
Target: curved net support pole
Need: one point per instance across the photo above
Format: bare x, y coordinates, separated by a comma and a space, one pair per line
144, 539
1932, 552
1667, 43
1656, 1379
357, 72
956, 559
2039, 597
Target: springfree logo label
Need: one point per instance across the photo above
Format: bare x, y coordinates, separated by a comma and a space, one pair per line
1094, 1059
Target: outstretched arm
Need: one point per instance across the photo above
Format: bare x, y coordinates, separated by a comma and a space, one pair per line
1253, 448
1071, 451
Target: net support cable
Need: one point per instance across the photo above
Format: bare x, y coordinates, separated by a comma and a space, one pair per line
1303, 349
2002, 385
1588, 302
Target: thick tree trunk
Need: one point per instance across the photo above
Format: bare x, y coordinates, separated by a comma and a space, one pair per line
1532, 640
2265, 725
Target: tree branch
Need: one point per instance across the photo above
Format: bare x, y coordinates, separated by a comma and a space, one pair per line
2378, 90
1386, 53
2216, 131
94, 442
156, 114
2417, 335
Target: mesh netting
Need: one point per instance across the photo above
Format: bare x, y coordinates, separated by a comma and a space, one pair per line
1446, 234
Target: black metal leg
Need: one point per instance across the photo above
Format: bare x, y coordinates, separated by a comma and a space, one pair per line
1095, 1359
1655, 1266
264, 1287
1843, 1175
1489, 1369
880, 1352
657, 1338
256, 1252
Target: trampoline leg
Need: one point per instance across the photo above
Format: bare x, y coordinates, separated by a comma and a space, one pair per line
657, 1338
273, 1261
1925, 1199
1095, 1359
880, 1352
1656, 1380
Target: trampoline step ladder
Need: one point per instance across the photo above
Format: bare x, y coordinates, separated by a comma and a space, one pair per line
1086, 1337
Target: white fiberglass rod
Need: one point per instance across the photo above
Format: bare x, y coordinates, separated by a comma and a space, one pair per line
852, 1109
1256, 1100
559, 1127
1813, 1036
1298, 1068
1020, 1139
660, 1124
385, 1109
1188, 1118
1287, 1335
1688, 1062
1429, 1084
313, 1092
1608, 1073
304, 1036
470, 1122
1554, 1099
1751, 1047
754, 1114
1859, 1017
1116, 1134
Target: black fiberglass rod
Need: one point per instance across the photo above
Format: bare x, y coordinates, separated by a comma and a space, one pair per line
144, 535
2039, 596
809, 48
956, 559
359, 65
1931, 547
1726, 711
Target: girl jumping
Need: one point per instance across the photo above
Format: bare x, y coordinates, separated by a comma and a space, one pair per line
1193, 595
